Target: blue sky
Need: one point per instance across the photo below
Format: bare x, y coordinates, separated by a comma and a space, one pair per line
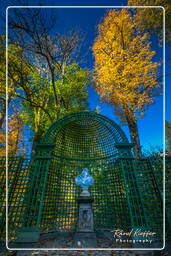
86, 20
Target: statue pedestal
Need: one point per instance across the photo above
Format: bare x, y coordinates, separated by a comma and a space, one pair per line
85, 216
85, 236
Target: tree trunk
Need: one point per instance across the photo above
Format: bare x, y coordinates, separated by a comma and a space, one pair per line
2, 117
133, 129
36, 139
3, 111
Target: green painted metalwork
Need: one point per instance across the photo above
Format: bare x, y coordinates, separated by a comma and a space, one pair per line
42, 192
18, 185
80, 118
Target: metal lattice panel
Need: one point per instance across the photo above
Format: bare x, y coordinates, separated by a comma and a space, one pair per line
109, 201
151, 194
18, 186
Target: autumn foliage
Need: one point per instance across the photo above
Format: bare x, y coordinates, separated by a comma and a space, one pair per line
125, 74
15, 136
152, 18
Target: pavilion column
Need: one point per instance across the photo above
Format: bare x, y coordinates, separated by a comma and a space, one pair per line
30, 229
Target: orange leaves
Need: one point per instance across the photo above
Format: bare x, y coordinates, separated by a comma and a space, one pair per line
124, 71
15, 129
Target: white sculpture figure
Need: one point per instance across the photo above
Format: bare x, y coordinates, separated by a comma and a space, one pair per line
84, 180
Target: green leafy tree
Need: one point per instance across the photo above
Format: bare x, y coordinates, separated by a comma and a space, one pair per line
40, 111
58, 87
34, 29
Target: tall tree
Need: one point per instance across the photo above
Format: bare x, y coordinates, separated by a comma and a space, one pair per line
125, 75
56, 86
33, 28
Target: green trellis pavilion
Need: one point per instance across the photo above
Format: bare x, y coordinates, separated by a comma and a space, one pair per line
42, 195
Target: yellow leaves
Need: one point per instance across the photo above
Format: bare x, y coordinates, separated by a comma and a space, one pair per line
123, 62
16, 62
15, 127
111, 31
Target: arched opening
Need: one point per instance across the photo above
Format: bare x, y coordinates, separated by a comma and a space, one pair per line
85, 139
